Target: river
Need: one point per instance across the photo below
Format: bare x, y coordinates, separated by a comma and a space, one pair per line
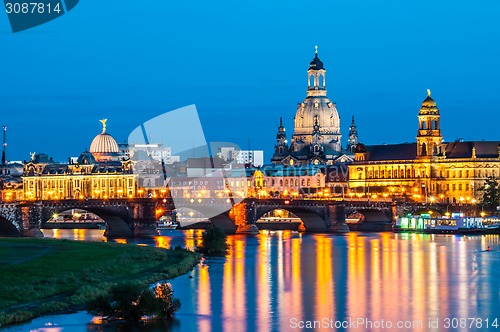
357, 281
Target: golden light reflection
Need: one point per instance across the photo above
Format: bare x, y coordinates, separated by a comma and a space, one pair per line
263, 263
324, 278
163, 242
204, 299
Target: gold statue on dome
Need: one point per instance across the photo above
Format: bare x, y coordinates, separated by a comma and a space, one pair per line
103, 121
428, 92
32, 154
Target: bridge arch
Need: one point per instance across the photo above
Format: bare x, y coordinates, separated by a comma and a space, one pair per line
8, 229
116, 223
369, 215
221, 220
312, 220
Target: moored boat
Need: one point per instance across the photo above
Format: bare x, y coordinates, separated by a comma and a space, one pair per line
443, 225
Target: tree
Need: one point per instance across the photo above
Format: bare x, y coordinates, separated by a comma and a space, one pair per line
214, 242
491, 194
131, 301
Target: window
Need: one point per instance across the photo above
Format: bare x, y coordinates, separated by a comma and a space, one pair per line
308, 182
424, 149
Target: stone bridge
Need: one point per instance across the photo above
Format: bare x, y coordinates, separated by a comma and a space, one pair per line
137, 217
124, 218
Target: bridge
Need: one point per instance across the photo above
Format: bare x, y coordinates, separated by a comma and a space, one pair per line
123, 217
137, 217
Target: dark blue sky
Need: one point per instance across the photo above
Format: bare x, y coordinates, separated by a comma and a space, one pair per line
244, 65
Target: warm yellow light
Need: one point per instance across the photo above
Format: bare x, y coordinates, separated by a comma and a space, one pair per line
385, 195
483, 214
432, 199
461, 199
473, 201
374, 196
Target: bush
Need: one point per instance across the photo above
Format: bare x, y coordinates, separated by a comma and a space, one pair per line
131, 301
213, 242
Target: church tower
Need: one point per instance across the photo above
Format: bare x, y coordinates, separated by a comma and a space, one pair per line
317, 121
281, 146
429, 138
353, 137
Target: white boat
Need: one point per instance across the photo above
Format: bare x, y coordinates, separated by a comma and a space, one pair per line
166, 225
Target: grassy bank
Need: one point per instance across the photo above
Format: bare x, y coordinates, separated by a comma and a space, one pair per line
40, 276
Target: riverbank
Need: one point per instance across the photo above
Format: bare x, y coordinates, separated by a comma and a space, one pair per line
41, 276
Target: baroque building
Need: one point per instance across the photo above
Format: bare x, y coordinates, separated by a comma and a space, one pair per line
428, 170
98, 173
316, 138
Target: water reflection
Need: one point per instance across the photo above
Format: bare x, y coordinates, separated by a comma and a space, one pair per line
277, 279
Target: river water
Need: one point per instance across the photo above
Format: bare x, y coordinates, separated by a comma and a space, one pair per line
285, 280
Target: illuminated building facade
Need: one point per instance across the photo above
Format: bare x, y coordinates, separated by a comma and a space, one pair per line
98, 173
428, 170
316, 139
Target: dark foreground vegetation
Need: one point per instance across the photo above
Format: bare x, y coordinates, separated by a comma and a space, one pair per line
133, 301
41, 276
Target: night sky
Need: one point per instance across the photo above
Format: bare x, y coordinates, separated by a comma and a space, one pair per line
244, 65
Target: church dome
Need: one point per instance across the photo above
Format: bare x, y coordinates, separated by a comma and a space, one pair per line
104, 146
104, 143
320, 109
429, 106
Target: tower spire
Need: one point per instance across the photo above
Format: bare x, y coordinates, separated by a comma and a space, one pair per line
429, 93
316, 49
4, 151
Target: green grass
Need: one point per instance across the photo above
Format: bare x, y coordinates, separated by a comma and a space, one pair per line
39, 276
